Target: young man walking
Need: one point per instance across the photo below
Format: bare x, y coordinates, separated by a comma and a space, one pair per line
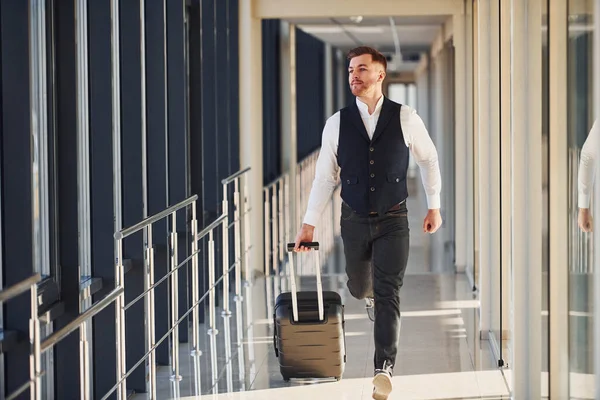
368, 143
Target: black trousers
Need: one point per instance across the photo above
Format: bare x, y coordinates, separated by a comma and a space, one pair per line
376, 250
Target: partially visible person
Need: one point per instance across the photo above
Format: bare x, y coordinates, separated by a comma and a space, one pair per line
586, 175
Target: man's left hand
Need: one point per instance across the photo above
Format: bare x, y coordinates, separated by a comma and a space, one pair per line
433, 221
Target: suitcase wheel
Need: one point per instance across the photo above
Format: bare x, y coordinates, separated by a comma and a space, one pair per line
338, 378
286, 379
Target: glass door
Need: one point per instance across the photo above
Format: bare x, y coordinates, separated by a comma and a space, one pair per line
580, 122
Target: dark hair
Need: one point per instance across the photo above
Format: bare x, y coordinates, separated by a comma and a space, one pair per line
361, 50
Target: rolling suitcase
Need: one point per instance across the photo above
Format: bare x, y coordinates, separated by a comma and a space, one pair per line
309, 331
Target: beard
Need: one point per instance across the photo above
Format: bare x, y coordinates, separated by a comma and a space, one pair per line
358, 90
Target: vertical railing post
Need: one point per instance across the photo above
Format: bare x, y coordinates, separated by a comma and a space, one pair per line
212, 331
288, 221
237, 240
281, 215
274, 230
120, 324
299, 205
34, 341
246, 227
225, 254
150, 314
84, 368
175, 376
195, 290
267, 231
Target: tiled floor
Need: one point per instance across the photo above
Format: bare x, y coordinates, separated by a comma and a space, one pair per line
440, 355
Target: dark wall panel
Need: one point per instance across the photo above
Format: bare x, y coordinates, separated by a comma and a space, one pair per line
271, 100
310, 81
67, 352
16, 177
133, 201
177, 143
210, 127
196, 139
233, 86
209, 114
102, 191
156, 120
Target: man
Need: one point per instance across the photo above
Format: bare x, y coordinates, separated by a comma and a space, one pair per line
585, 179
369, 143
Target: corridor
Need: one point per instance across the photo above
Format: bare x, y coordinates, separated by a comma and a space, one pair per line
157, 156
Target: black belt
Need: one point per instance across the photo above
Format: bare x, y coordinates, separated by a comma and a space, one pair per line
395, 207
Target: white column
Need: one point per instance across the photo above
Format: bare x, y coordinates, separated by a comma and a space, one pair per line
437, 134
289, 144
469, 130
504, 195
251, 135
483, 167
559, 201
596, 198
461, 142
526, 210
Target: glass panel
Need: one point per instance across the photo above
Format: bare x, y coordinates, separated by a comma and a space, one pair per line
545, 196
39, 138
397, 93
580, 120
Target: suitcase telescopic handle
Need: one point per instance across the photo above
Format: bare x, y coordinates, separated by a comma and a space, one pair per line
315, 246
310, 245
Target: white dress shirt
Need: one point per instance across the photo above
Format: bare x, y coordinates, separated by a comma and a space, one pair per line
587, 167
416, 138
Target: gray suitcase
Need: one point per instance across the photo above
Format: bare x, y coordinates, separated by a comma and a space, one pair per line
309, 329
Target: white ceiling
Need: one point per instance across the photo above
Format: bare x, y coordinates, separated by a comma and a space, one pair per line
415, 32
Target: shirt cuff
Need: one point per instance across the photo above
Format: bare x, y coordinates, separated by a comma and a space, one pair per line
311, 218
433, 201
583, 201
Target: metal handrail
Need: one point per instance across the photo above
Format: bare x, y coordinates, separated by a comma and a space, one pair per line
117, 296
238, 224
19, 288
161, 280
175, 266
123, 233
149, 285
233, 177
277, 209
72, 326
210, 227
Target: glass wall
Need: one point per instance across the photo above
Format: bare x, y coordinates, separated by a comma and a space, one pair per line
545, 195
580, 122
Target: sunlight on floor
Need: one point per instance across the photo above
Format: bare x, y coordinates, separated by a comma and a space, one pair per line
474, 384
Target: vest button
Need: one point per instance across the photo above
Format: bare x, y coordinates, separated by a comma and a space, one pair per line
348, 181
397, 179
372, 175
371, 162
372, 189
372, 149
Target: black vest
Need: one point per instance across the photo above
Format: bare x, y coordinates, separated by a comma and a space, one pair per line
373, 172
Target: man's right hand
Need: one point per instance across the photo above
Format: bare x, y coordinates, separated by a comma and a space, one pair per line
585, 220
305, 234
